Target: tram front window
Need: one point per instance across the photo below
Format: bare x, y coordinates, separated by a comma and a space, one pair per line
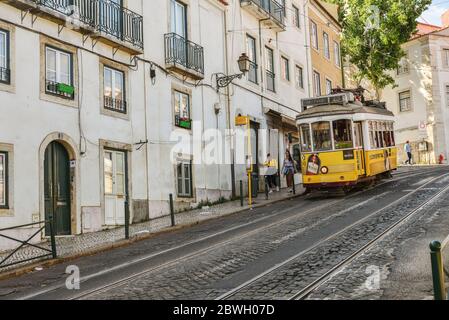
306, 144
343, 134
321, 132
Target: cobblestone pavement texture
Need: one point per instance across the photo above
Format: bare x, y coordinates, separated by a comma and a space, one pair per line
222, 264
398, 266
208, 275
77, 245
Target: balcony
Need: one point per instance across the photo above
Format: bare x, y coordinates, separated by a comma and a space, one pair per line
114, 104
101, 19
184, 56
5, 75
270, 11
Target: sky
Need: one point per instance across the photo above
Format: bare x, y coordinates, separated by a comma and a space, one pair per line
433, 14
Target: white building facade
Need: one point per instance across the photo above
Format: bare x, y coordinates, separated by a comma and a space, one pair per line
275, 37
100, 102
420, 100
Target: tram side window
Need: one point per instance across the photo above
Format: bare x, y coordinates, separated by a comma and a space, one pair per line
321, 132
342, 134
393, 143
306, 144
371, 135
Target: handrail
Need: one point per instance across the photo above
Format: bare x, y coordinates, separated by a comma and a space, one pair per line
48, 252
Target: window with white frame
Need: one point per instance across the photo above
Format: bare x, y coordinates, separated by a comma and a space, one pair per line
114, 90
252, 55
446, 57
316, 84
58, 72
314, 35
447, 96
296, 20
328, 86
270, 69
184, 178
285, 68
182, 110
3, 179
327, 52
178, 22
4, 57
299, 77
337, 54
403, 66
405, 101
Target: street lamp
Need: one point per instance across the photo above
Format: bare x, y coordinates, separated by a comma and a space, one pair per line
244, 65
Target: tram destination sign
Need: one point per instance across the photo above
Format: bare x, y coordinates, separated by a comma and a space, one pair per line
341, 98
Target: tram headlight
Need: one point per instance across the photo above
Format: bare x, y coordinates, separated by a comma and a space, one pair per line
324, 170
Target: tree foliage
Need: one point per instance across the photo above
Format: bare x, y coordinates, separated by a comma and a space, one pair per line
373, 32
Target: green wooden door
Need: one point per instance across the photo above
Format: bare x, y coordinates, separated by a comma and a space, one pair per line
57, 188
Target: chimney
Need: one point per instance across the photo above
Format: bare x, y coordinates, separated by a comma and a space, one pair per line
445, 19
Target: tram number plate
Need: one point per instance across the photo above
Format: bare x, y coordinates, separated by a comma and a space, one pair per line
348, 154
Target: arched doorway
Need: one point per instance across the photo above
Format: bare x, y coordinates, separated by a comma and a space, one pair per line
57, 188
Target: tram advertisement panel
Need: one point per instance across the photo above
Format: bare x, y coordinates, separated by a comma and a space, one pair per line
313, 164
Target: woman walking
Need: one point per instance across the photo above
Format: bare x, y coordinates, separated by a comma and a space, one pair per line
288, 170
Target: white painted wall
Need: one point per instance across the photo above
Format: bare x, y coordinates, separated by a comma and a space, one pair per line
426, 79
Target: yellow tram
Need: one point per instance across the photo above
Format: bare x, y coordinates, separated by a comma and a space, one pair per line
344, 141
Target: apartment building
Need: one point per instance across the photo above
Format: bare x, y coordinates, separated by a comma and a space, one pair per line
420, 99
70, 116
274, 36
324, 47
109, 106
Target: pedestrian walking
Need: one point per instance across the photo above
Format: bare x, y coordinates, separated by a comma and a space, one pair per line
271, 174
408, 151
288, 170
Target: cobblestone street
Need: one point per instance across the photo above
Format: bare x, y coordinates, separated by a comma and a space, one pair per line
275, 251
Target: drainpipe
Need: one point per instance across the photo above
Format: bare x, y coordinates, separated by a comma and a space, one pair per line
146, 132
306, 42
228, 106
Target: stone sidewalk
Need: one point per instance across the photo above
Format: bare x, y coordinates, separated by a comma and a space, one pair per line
89, 243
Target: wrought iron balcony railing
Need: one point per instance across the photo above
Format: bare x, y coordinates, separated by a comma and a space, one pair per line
271, 81
272, 7
180, 51
252, 73
5, 75
115, 104
59, 89
82, 10
101, 15
120, 22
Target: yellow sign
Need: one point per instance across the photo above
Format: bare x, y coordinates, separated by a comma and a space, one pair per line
241, 120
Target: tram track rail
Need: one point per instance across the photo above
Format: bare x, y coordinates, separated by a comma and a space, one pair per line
304, 292
208, 249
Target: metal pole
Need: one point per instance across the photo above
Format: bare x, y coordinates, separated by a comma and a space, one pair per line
52, 239
126, 219
241, 193
439, 288
172, 211
250, 193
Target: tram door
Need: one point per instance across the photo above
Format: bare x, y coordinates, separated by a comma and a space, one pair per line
359, 151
